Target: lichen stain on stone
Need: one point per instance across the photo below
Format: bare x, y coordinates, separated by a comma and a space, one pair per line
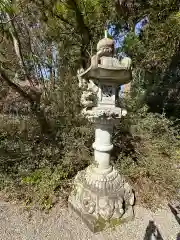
102, 224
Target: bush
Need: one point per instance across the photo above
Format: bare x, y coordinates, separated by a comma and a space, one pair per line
38, 169
147, 149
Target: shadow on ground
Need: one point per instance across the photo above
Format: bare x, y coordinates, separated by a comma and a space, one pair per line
176, 212
152, 232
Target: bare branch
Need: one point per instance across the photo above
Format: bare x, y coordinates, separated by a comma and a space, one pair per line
4, 77
63, 19
88, 53
9, 20
17, 48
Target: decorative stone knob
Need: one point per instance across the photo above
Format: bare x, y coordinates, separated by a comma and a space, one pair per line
105, 47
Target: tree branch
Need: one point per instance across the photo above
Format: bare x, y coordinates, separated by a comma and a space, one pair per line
4, 77
82, 29
17, 48
8, 21
63, 19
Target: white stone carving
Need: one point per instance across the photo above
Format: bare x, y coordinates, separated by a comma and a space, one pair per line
100, 193
90, 89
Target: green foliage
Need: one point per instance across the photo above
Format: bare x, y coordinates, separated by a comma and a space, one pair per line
39, 168
156, 52
134, 47
44, 183
146, 151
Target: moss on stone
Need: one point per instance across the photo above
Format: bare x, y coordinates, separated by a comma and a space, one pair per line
102, 224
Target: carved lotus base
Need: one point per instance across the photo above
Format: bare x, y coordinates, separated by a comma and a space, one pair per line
102, 200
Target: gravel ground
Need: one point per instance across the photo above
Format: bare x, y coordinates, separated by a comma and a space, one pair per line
60, 224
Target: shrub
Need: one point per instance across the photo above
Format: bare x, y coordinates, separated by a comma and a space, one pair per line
36, 167
147, 150
39, 168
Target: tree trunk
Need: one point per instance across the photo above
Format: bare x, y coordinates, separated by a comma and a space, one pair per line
33, 100
41, 118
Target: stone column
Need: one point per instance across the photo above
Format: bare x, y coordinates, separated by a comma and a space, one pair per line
103, 147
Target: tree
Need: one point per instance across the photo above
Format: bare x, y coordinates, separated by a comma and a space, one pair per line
24, 63
78, 24
155, 51
49, 38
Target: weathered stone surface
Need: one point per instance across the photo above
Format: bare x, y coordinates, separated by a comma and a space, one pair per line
102, 200
101, 196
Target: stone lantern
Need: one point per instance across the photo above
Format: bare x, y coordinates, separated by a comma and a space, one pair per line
101, 196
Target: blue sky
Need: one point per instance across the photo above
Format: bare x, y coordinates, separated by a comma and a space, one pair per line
140, 25
118, 38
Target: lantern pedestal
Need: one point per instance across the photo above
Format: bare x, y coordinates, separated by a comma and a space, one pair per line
101, 196
101, 200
